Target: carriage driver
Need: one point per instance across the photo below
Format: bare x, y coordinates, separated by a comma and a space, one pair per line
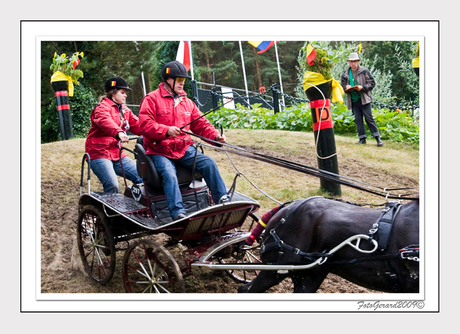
162, 113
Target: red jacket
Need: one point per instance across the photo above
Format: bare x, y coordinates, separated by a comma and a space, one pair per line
102, 141
158, 113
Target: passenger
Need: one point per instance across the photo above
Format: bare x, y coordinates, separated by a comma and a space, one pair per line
162, 113
110, 121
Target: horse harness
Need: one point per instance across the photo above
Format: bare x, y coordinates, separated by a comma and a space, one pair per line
380, 231
280, 245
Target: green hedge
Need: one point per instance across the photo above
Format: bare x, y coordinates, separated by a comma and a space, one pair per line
81, 105
393, 125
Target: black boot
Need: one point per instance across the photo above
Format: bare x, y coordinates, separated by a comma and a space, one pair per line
361, 141
379, 141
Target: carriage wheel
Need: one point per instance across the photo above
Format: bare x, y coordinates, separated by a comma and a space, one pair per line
150, 268
239, 255
96, 244
243, 254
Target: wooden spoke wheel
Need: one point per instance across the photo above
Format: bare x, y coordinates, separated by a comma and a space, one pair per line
96, 244
150, 268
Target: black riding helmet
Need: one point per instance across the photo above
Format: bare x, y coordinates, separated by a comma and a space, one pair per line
174, 69
116, 83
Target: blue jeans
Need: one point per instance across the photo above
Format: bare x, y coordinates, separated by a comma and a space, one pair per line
204, 164
107, 170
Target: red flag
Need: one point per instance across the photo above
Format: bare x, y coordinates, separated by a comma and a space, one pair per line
183, 54
75, 63
311, 54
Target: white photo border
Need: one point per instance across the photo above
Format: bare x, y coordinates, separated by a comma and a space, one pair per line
33, 32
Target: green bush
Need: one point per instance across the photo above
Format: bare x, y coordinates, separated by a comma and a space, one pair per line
81, 105
296, 118
393, 125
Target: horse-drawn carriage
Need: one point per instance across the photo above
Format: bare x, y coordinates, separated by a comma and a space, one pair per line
213, 236
106, 220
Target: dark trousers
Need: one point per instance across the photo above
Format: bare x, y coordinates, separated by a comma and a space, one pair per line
364, 111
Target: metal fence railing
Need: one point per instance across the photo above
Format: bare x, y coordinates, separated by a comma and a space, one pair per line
271, 98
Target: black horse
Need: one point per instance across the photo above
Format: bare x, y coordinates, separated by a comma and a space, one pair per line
307, 229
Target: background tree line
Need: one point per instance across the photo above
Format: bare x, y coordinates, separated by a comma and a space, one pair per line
216, 62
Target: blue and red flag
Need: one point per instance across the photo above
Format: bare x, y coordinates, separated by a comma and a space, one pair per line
262, 45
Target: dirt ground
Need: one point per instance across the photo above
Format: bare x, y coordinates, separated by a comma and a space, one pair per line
61, 269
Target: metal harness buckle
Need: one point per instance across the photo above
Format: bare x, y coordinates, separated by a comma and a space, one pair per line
374, 228
405, 255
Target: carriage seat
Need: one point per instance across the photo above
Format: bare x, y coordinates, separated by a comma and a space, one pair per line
147, 171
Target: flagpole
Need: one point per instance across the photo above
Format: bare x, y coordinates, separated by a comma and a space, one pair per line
191, 60
244, 72
142, 72
279, 73
143, 82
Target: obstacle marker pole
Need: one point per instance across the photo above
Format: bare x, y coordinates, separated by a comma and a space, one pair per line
63, 108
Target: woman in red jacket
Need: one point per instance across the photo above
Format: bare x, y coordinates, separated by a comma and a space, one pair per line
110, 121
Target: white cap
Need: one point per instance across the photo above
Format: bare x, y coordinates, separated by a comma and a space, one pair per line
353, 56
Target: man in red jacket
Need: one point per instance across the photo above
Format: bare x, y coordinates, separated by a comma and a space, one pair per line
162, 114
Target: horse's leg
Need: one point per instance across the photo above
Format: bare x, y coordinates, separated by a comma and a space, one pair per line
264, 281
308, 281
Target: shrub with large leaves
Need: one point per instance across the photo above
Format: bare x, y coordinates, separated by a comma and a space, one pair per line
393, 125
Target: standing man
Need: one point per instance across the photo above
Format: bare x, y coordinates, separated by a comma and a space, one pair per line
358, 83
162, 114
